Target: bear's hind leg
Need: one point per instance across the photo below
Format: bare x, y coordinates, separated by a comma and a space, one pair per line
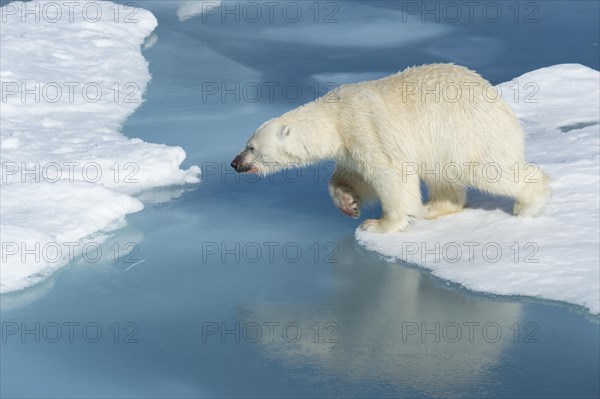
532, 198
527, 184
444, 199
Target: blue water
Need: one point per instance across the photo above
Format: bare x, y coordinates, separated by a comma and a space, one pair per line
254, 288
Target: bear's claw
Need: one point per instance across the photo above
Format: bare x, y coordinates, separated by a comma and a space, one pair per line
351, 210
344, 200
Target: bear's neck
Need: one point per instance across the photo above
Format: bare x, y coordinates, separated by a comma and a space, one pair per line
318, 131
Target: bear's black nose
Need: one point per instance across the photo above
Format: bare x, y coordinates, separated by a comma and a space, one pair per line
235, 164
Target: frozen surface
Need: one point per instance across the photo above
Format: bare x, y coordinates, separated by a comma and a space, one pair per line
68, 174
193, 8
554, 256
169, 289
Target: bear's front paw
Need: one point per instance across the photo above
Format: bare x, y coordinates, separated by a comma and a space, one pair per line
384, 225
344, 200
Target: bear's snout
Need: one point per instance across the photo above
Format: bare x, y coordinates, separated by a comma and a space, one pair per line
243, 167
235, 164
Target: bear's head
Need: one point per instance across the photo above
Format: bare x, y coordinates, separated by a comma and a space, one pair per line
274, 146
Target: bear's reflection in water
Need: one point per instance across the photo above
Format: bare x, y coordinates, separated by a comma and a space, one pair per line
392, 324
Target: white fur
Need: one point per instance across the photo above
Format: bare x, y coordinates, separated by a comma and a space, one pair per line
388, 134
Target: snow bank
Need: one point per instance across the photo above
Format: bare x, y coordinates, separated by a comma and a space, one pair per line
554, 256
71, 74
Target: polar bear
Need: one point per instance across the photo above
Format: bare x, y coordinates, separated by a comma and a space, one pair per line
440, 123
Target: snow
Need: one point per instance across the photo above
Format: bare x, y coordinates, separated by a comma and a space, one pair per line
191, 9
71, 74
554, 256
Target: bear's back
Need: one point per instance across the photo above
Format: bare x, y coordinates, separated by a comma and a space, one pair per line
430, 109
441, 73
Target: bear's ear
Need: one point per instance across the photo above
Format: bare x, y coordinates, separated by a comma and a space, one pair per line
284, 131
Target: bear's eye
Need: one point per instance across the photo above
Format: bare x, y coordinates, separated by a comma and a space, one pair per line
250, 148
